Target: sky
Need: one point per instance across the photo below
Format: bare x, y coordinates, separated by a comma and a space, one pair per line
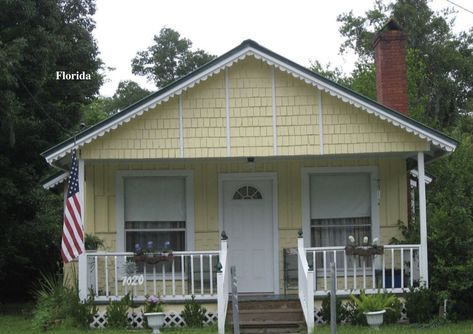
301, 30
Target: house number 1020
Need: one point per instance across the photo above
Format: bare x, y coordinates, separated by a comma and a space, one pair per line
133, 280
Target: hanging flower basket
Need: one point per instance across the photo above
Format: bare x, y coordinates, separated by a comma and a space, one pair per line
364, 250
153, 258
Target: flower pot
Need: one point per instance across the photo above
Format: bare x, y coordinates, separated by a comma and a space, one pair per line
375, 319
155, 321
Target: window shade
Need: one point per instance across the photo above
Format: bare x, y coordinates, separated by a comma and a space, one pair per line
342, 195
155, 199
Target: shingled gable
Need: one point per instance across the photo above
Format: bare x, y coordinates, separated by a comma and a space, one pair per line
245, 49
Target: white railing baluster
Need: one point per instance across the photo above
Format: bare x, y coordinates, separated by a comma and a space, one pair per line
192, 275
116, 274
392, 268
107, 292
325, 270
201, 274
373, 274
412, 266
145, 283
182, 276
173, 278
164, 279
211, 276
402, 268
384, 272
354, 272
335, 262
345, 269
126, 273
364, 273
154, 279
96, 262
314, 267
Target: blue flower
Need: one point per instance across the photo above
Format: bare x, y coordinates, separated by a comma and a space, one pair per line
137, 248
149, 245
167, 245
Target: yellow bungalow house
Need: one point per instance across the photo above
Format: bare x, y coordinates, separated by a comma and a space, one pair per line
257, 146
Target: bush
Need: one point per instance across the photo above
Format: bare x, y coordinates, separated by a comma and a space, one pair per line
421, 305
117, 312
342, 312
51, 302
355, 307
59, 303
193, 313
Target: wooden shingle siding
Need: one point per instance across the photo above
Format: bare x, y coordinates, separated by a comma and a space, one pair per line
346, 129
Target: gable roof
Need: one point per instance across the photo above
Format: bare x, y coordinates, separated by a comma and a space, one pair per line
245, 49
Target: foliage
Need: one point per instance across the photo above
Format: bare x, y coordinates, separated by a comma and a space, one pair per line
450, 209
341, 310
117, 312
440, 63
153, 304
127, 93
37, 38
421, 305
193, 313
169, 58
58, 302
52, 297
93, 242
375, 302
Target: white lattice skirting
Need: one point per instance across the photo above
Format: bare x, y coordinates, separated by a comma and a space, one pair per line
136, 320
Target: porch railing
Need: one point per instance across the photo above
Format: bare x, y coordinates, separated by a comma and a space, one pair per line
222, 285
111, 275
306, 286
396, 271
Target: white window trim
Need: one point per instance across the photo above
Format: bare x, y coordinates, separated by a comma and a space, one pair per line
120, 202
248, 177
306, 172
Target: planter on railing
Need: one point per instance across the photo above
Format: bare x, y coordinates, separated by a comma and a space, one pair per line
153, 258
364, 250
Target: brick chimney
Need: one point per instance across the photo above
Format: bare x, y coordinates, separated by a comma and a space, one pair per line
391, 73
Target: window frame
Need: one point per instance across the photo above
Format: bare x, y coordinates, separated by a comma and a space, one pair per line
307, 172
188, 176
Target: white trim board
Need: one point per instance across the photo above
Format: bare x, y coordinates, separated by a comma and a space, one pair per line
120, 200
249, 177
284, 66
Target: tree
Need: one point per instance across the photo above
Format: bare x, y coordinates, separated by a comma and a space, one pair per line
38, 38
440, 63
127, 93
169, 58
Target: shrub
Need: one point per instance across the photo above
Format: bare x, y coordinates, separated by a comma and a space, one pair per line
193, 313
59, 303
355, 307
117, 312
341, 310
421, 305
52, 297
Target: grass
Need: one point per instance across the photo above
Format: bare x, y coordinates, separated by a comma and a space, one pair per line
17, 324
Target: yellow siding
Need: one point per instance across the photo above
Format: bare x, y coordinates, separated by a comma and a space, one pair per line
100, 208
250, 108
346, 129
349, 130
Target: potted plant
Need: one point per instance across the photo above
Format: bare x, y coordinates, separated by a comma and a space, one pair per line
154, 313
374, 306
150, 256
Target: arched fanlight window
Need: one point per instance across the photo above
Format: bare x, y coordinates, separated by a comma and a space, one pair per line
247, 192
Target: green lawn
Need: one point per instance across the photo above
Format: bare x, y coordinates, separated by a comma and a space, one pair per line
12, 324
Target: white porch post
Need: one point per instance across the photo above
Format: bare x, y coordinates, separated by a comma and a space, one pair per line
83, 257
423, 258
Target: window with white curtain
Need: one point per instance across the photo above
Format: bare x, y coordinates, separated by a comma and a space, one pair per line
340, 205
155, 210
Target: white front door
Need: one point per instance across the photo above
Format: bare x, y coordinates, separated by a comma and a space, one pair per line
248, 221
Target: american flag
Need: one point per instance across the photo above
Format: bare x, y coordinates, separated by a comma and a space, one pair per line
72, 233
